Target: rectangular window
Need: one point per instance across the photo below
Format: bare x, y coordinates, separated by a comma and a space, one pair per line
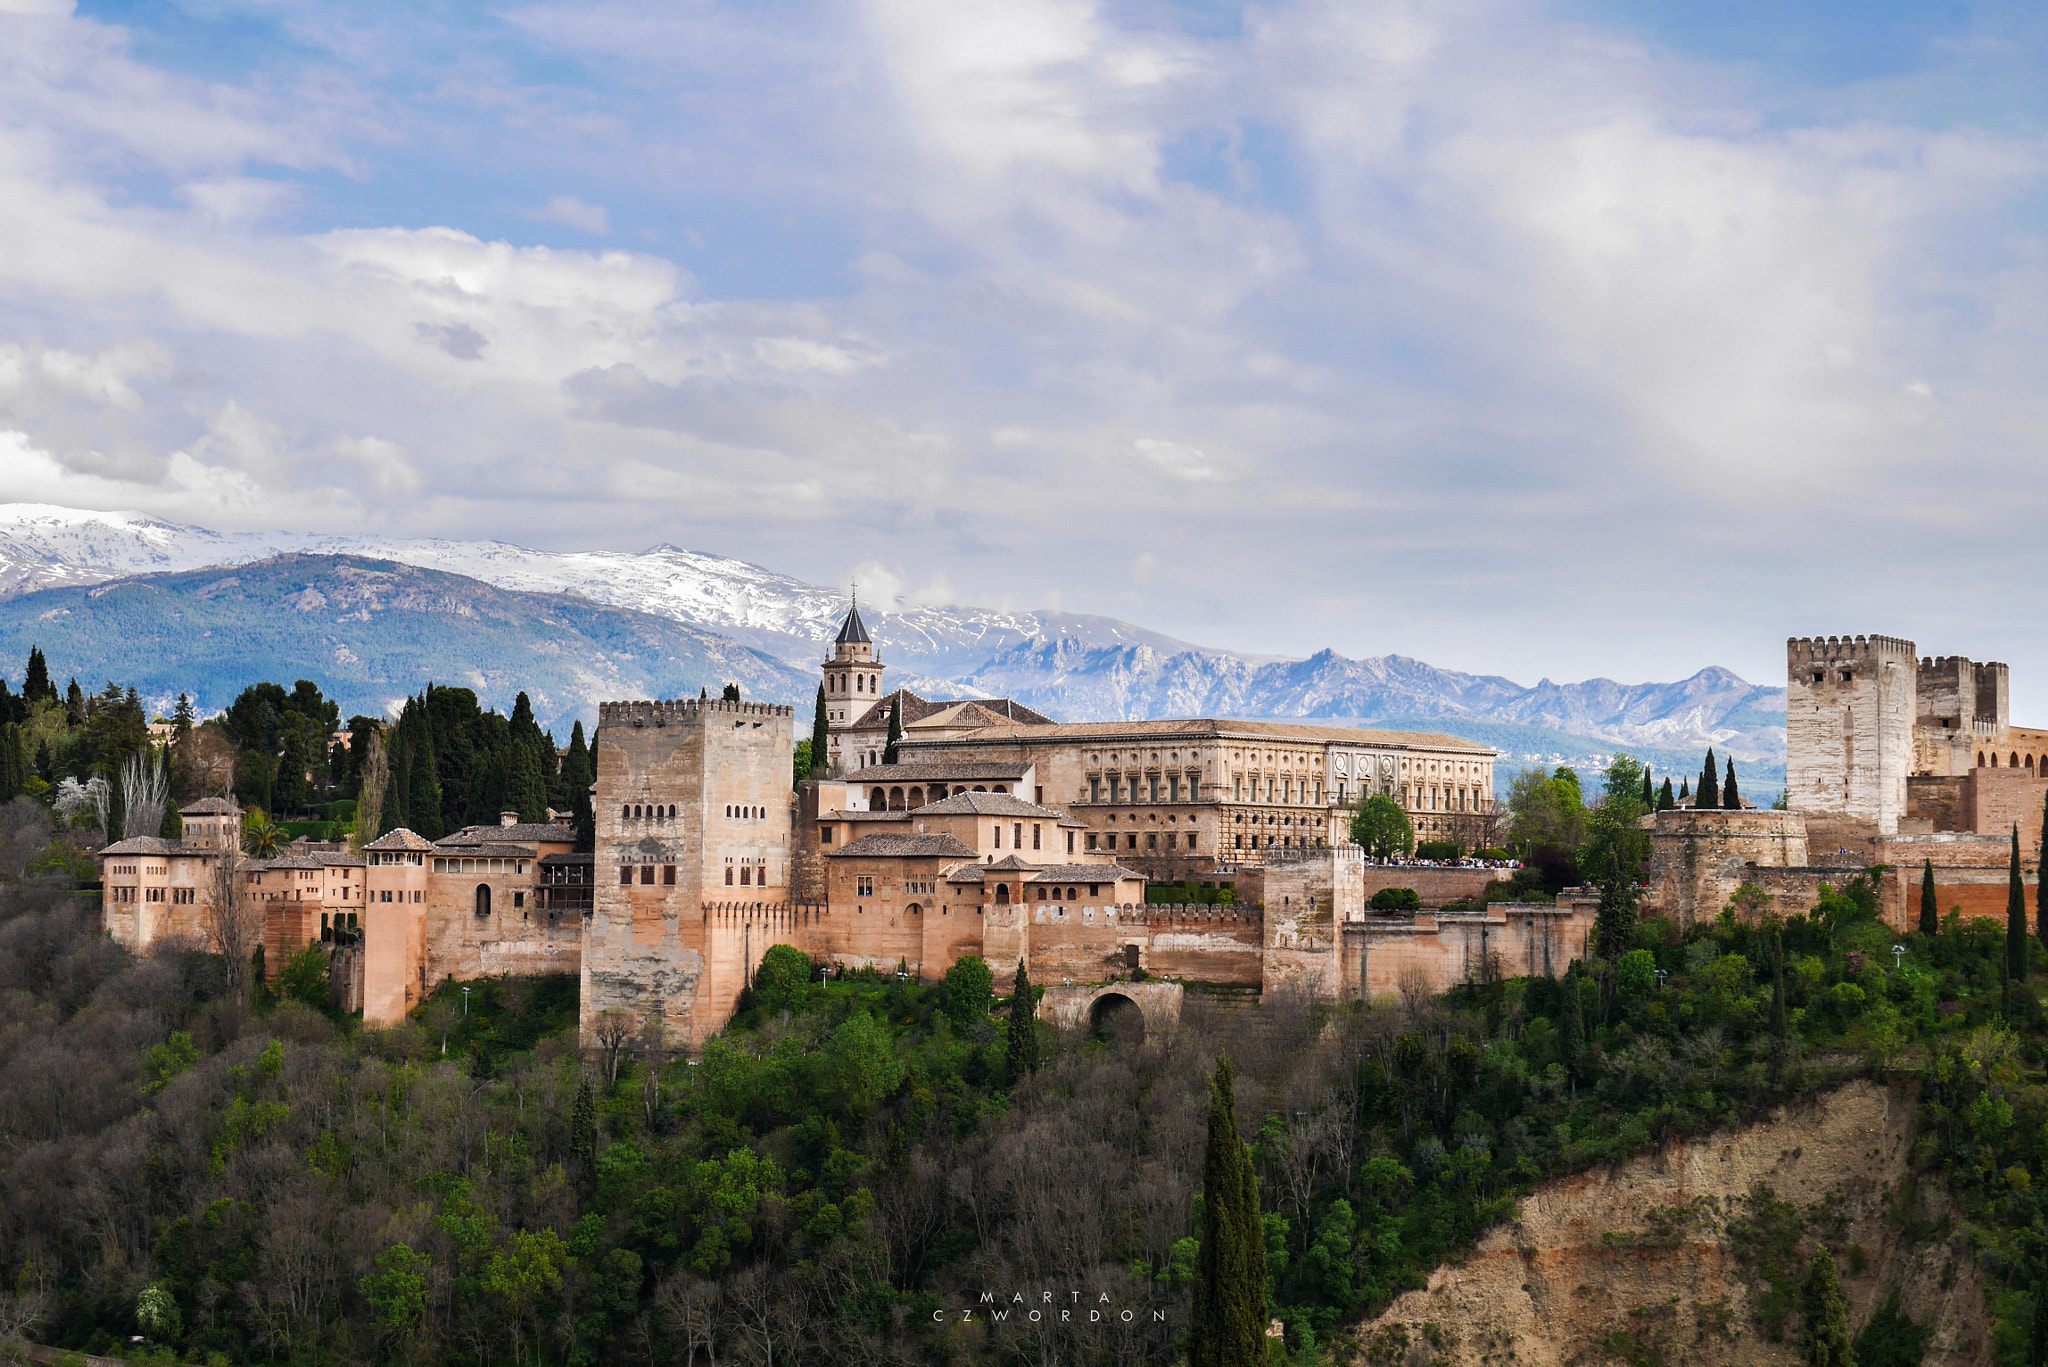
1039, 797
728, 875
1016, 835
999, 834
1095, 790
824, 835
1237, 789
1091, 840
1152, 840
1154, 789
647, 875
1070, 842
1130, 840
1191, 840
518, 899
746, 876
668, 875
387, 895
1035, 829
863, 887
625, 875
1171, 839
1269, 790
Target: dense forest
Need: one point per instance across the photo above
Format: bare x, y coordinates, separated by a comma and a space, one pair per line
866, 1169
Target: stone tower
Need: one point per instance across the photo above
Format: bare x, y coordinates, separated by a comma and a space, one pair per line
692, 861
853, 677
1850, 706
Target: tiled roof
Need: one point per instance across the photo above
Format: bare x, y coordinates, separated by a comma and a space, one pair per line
991, 804
1205, 728
893, 845
1049, 873
208, 806
837, 815
556, 861
927, 770
853, 631
540, 832
400, 839
154, 844
918, 711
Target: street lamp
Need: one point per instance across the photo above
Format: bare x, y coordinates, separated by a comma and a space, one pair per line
1898, 956
1662, 974
465, 1001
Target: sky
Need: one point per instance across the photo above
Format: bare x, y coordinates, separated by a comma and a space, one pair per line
1538, 339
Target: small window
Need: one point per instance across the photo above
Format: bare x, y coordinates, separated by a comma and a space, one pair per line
1152, 840
1091, 840
1035, 830
518, 899
625, 875
746, 876
647, 875
668, 875
1041, 894
863, 887
824, 835
728, 875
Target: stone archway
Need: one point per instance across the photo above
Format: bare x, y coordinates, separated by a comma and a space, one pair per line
1115, 1017
1083, 1008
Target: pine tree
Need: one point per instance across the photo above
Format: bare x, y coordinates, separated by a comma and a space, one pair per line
1708, 794
1730, 799
2015, 916
36, 687
895, 728
181, 720
821, 736
1930, 916
526, 793
74, 705
1020, 1050
1229, 1312
1827, 1315
1666, 801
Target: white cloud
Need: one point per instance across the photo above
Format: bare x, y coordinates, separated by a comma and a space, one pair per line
570, 212
1184, 464
385, 462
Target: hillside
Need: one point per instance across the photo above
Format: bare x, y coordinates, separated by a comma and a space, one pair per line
371, 631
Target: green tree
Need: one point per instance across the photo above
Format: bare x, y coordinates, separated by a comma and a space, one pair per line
1615, 925
1708, 794
1827, 1315
1547, 809
968, 984
1635, 974
895, 728
1573, 1028
1930, 914
1229, 1314
1731, 800
396, 1289
583, 1128
36, 685
288, 791
1649, 792
1666, 801
800, 763
1020, 1050
2015, 915
731, 693
262, 838
1381, 828
2041, 884
783, 979
821, 737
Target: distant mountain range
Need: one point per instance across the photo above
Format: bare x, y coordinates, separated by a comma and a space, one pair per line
373, 617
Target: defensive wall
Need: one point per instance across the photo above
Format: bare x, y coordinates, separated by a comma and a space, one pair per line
1381, 954
1699, 858
1850, 705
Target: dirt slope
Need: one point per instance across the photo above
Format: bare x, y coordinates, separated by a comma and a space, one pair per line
1635, 1264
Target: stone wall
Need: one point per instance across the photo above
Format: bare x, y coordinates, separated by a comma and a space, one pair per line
1699, 859
1381, 953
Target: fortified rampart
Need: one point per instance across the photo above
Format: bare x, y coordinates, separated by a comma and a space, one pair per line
1850, 706
1384, 954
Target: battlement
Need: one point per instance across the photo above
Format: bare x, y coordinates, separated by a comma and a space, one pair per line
1812, 648
683, 711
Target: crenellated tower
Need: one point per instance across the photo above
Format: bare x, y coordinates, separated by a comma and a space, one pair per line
1850, 707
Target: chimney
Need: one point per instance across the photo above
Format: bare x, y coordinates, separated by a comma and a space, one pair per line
508, 818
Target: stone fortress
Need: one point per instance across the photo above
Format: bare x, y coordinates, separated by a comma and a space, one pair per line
1892, 760
997, 833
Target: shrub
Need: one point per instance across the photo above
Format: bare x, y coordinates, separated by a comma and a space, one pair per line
1439, 849
1396, 899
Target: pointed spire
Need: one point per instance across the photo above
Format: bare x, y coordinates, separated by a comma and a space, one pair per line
853, 631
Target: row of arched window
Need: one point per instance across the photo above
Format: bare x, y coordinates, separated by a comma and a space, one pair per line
2014, 763
636, 811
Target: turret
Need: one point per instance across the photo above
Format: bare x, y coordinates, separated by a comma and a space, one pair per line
853, 676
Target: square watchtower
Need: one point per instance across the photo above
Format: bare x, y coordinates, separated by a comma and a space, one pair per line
1850, 705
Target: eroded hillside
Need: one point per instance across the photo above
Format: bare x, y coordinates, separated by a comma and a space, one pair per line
1690, 1255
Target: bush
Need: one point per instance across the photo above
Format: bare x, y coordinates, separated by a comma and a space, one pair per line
1439, 850
969, 984
1491, 854
1396, 899
1636, 973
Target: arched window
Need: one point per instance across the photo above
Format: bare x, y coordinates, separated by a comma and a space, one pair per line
914, 910
728, 875
917, 797
2015, 760
625, 813
878, 801
671, 811
1980, 759
483, 899
1041, 894
895, 799
1002, 894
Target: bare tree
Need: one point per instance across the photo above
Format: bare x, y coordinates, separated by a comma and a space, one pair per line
613, 1027
692, 1311
370, 802
232, 922
144, 792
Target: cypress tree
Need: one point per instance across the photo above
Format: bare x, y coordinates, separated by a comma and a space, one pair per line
731, 693
1780, 1026
1649, 791
1665, 800
397, 783
2015, 915
583, 1128
10, 767
1930, 916
527, 792
586, 813
1229, 1313
895, 728
1708, 794
1020, 1050
1615, 926
821, 736
2040, 883
1573, 1028
1730, 799
1684, 788
423, 801
36, 686
74, 705
1827, 1315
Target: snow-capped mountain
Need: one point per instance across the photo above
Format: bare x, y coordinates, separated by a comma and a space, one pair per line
1068, 665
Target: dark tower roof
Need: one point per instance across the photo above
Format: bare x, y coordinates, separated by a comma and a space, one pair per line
852, 631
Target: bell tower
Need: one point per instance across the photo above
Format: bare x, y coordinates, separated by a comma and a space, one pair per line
853, 676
